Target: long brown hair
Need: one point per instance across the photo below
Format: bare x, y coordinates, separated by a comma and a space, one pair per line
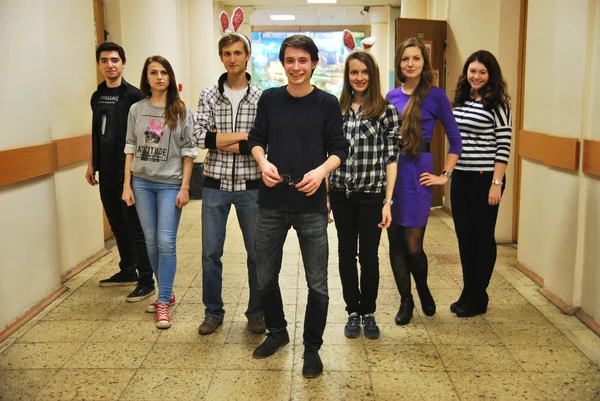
374, 103
175, 109
411, 129
493, 93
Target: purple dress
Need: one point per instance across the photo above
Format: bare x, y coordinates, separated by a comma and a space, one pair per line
411, 200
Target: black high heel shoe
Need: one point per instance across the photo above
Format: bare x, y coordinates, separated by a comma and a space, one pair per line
460, 302
427, 302
407, 305
476, 305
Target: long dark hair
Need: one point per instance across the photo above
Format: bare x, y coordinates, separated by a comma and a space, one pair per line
493, 93
411, 129
374, 103
175, 108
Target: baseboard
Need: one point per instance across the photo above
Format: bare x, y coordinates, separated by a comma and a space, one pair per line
71, 273
32, 312
588, 321
559, 303
530, 273
447, 210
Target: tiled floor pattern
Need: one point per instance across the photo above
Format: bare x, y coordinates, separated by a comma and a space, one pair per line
92, 345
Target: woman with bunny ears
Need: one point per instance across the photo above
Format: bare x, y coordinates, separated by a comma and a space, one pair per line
160, 152
361, 188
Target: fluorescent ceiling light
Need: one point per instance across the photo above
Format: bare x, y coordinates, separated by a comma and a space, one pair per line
283, 17
321, 1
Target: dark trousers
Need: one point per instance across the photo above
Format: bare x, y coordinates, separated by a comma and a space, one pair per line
126, 227
271, 230
475, 224
356, 217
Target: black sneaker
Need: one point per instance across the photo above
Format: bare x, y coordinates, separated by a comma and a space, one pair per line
371, 330
313, 367
352, 328
140, 293
119, 279
273, 342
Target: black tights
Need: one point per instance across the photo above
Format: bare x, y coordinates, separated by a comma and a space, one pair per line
407, 256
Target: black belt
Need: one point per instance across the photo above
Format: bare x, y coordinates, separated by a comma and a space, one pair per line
213, 183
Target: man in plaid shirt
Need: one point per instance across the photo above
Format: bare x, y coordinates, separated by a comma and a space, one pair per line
225, 114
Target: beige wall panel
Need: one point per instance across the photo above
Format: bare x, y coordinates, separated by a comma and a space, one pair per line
142, 37
72, 69
79, 216
29, 247
590, 299
559, 195
24, 108
535, 206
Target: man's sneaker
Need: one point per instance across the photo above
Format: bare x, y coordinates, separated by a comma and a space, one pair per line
370, 327
313, 367
352, 328
152, 307
256, 324
163, 319
140, 293
119, 279
272, 343
209, 325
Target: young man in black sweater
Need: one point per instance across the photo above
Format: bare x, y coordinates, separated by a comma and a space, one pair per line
110, 106
302, 127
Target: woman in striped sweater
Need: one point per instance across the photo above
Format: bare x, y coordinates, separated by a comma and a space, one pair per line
482, 112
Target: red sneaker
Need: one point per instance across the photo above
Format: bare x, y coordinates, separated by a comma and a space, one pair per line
163, 319
152, 307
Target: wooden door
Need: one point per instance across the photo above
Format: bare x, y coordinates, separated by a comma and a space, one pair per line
433, 34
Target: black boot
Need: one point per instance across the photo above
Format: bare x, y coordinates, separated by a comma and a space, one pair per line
272, 343
460, 302
407, 305
475, 305
427, 302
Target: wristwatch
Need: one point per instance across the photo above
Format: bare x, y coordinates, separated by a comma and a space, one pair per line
391, 202
496, 181
447, 174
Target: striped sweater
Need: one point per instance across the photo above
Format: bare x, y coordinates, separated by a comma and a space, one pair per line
486, 136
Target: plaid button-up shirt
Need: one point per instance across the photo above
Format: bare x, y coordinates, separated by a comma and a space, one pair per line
373, 144
215, 113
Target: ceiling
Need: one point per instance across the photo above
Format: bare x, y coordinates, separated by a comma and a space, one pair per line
345, 12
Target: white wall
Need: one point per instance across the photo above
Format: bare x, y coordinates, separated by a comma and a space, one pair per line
51, 223
558, 235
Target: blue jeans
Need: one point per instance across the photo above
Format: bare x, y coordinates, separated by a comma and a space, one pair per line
271, 230
215, 210
159, 217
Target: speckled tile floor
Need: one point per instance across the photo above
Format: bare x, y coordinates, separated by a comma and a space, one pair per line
92, 345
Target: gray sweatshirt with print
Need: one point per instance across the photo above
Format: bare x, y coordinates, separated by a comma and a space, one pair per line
157, 150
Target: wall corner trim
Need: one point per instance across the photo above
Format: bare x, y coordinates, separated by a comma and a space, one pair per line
591, 157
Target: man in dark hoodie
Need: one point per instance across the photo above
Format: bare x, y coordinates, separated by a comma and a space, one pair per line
110, 106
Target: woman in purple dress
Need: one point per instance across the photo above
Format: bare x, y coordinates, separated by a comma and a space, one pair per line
420, 105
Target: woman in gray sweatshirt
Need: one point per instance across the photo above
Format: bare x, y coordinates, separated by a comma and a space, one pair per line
159, 153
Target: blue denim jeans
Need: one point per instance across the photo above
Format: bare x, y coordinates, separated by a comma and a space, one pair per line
271, 230
155, 203
216, 205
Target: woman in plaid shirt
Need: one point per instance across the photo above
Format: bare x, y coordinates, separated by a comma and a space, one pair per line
361, 188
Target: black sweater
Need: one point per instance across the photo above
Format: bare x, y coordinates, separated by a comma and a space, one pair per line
298, 134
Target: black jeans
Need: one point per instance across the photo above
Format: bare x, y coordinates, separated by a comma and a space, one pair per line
126, 227
271, 230
475, 224
356, 217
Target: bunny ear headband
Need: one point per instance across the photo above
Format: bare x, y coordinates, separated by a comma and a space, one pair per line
233, 25
350, 42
